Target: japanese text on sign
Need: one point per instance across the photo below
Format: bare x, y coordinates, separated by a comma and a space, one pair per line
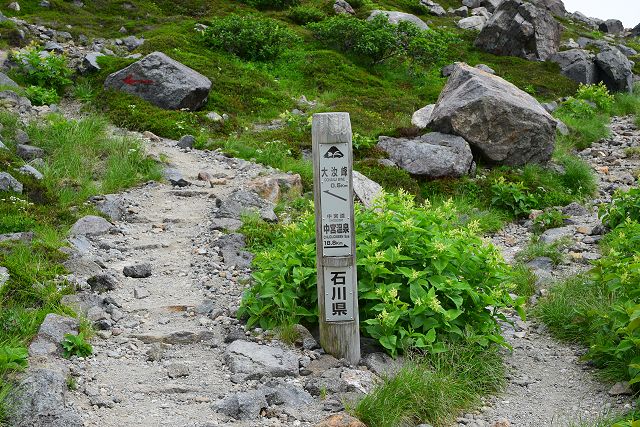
335, 194
339, 294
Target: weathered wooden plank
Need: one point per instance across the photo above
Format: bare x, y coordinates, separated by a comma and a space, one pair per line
338, 338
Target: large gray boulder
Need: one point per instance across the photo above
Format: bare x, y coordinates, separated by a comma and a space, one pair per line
397, 17
518, 28
556, 7
163, 82
577, 64
611, 26
616, 71
502, 123
434, 155
635, 32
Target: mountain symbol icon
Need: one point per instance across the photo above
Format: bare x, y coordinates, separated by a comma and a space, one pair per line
333, 153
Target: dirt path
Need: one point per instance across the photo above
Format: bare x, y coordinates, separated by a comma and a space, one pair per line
548, 384
162, 363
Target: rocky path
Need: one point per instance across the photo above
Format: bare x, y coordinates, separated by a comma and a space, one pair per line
160, 358
548, 384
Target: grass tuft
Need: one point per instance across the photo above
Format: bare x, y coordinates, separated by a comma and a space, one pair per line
433, 388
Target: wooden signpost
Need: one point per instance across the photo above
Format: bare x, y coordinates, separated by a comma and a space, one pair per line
335, 235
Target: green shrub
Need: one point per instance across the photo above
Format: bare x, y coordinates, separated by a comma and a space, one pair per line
578, 108
305, 14
249, 37
48, 71
422, 278
512, 197
13, 359
624, 206
379, 40
598, 94
76, 345
42, 96
272, 4
550, 219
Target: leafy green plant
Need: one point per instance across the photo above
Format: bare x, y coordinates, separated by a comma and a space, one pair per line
46, 70
422, 278
249, 37
512, 197
13, 358
305, 14
361, 142
624, 206
76, 345
598, 94
552, 218
578, 108
379, 40
41, 96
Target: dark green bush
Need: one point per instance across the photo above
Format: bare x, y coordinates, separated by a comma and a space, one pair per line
379, 40
249, 37
305, 14
272, 4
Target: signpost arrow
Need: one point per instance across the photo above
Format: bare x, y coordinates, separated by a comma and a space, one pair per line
335, 235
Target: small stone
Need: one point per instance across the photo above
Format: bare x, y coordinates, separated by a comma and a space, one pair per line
621, 389
29, 152
90, 225
14, 5
187, 141
22, 137
151, 136
214, 117
141, 293
137, 271
30, 170
340, 420
9, 183
177, 370
502, 422
102, 283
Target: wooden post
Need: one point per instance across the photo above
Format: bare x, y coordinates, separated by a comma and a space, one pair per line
335, 235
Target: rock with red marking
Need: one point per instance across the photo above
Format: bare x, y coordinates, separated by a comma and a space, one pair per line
163, 82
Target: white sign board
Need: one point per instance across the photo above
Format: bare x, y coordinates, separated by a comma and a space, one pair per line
335, 199
339, 301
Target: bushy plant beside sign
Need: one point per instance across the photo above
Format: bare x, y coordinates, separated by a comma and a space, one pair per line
423, 277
